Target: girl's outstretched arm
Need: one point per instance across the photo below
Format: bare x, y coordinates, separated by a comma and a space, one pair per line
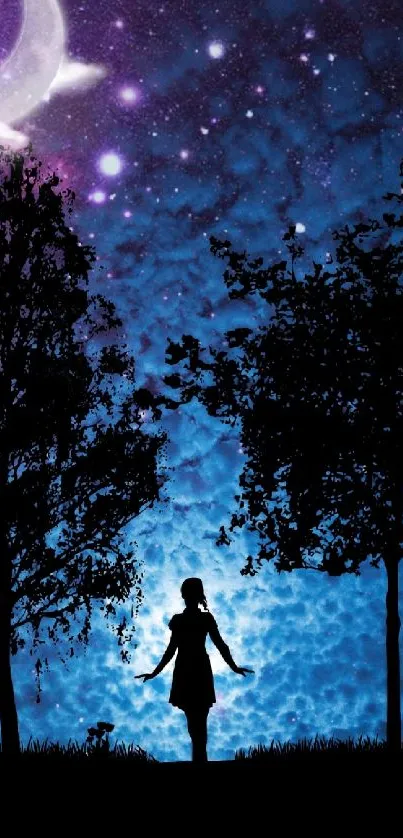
224, 650
221, 646
167, 656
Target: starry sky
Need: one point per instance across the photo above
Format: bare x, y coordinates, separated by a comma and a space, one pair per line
231, 118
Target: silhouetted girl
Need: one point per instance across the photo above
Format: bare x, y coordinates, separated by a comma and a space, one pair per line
192, 683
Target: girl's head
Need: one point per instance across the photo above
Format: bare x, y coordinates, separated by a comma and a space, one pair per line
193, 593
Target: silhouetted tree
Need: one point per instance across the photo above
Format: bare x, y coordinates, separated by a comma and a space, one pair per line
318, 396
69, 479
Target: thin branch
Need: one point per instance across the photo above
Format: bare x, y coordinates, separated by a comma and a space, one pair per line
43, 573
40, 614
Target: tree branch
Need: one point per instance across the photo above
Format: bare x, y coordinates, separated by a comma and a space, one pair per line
40, 614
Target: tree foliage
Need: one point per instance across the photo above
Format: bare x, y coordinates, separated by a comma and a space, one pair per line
318, 396
77, 461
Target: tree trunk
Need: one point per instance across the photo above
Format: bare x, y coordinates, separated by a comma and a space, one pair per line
393, 723
8, 712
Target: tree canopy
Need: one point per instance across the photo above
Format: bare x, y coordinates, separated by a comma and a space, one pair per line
317, 394
318, 397
77, 460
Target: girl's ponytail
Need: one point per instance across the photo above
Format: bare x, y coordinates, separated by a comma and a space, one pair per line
204, 603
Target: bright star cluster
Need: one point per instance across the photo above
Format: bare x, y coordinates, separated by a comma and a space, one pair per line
230, 119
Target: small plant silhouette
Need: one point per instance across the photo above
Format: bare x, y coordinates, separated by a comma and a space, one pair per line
101, 746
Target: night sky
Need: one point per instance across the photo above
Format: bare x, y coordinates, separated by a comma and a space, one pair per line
235, 119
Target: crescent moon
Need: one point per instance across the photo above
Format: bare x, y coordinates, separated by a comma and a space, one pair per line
26, 75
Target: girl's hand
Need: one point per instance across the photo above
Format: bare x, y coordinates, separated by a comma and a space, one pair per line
146, 677
241, 670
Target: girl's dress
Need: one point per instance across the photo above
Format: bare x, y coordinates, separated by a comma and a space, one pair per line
192, 680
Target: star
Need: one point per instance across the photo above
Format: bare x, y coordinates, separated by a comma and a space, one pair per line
110, 163
98, 197
216, 49
129, 94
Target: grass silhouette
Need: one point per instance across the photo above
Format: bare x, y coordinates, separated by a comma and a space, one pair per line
308, 748
97, 748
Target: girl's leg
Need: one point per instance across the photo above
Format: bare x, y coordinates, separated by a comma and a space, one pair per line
197, 727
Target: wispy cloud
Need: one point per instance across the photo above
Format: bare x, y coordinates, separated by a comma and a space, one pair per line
72, 76
11, 138
75, 75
